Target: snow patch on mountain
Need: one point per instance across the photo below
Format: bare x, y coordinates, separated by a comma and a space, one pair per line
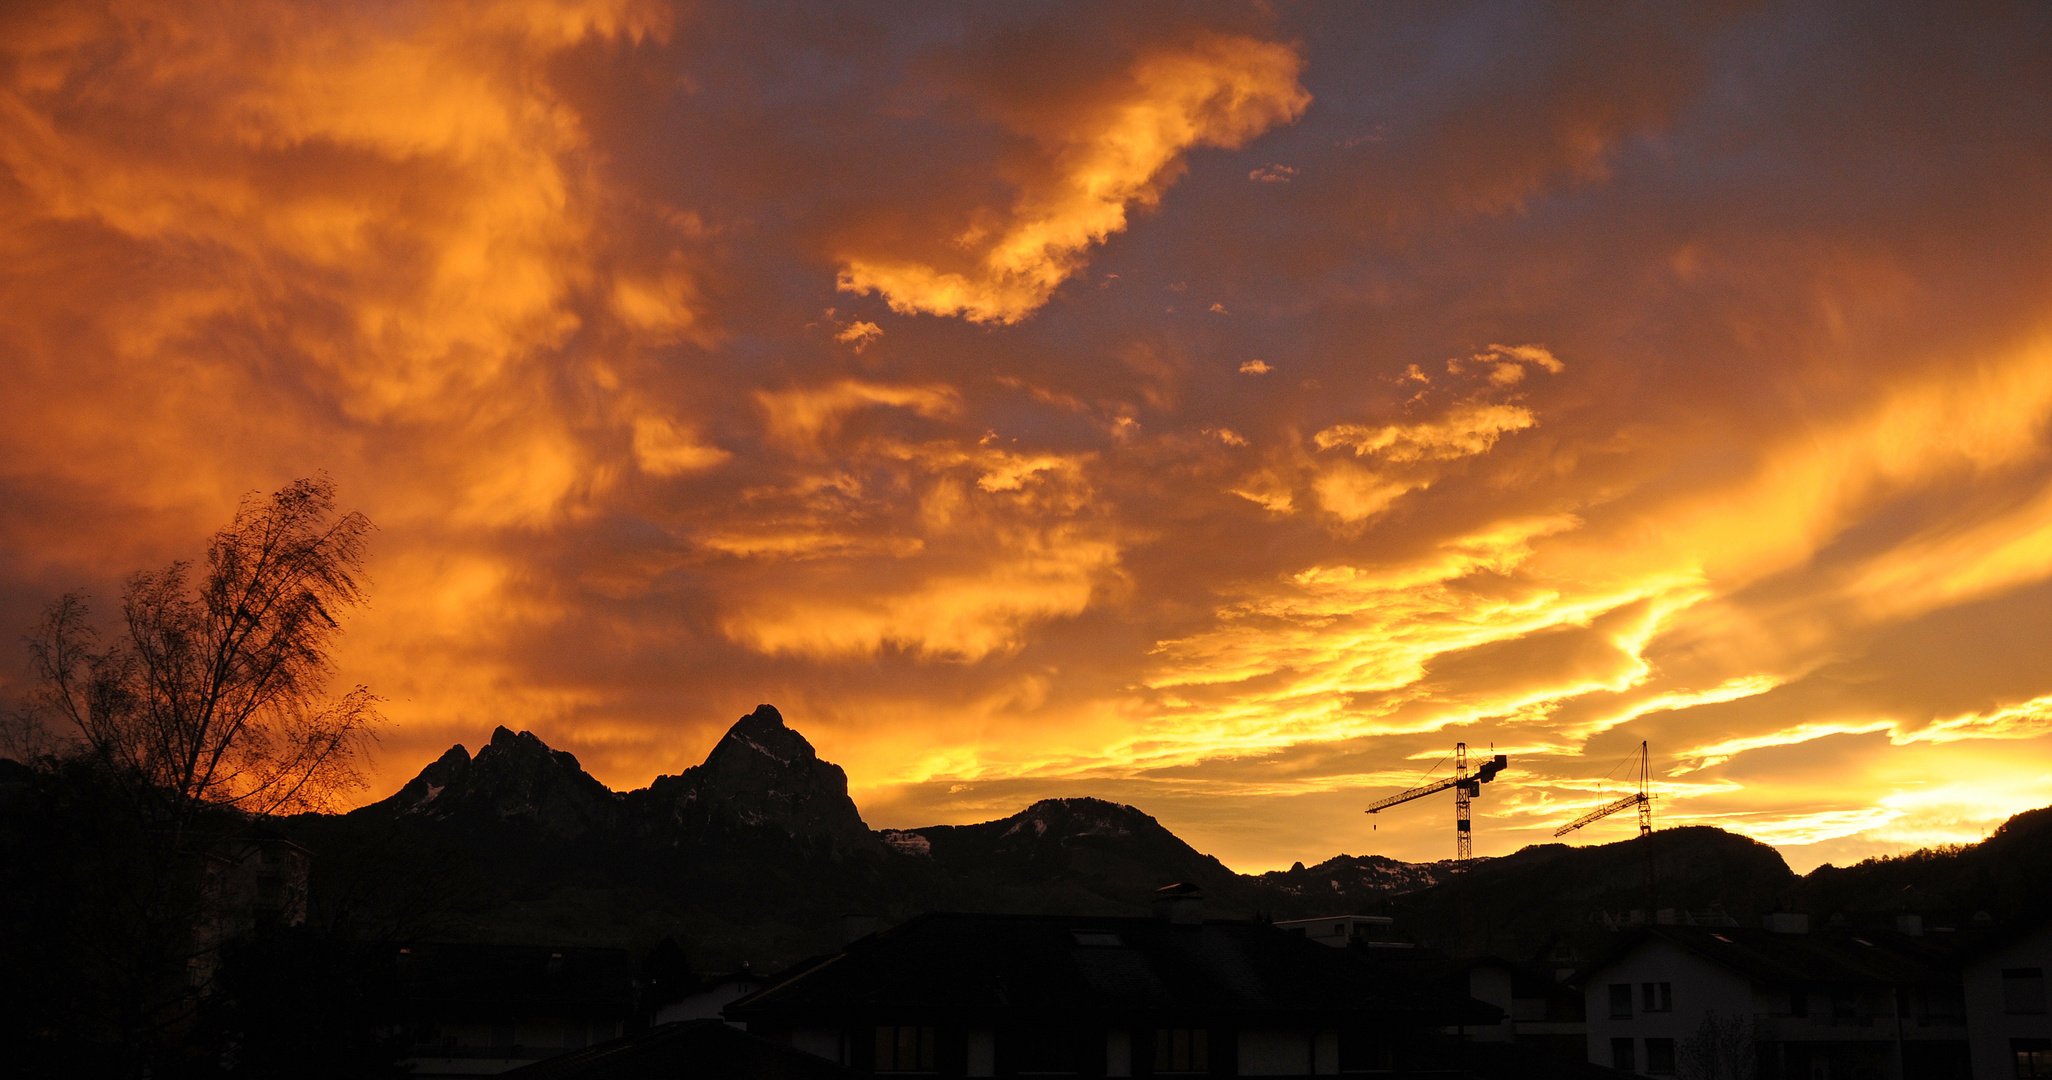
910, 843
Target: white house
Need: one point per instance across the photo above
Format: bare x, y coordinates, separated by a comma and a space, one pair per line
2004, 983
1783, 1003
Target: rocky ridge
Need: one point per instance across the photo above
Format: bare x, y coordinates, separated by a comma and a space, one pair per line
1352, 875
514, 776
761, 775
759, 850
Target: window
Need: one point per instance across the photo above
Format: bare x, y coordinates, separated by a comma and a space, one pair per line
1657, 997
1799, 1000
904, 1049
1660, 1057
1620, 1001
1621, 1056
2023, 990
1181, 1050
2033, 1057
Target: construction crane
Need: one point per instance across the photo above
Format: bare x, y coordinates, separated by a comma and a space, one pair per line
1465, 788
1642, 798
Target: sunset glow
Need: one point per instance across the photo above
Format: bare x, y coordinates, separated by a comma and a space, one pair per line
1222, 411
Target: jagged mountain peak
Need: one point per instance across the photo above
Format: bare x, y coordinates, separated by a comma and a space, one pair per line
507, 741
511, 749
764, 773
763, 733
513, 776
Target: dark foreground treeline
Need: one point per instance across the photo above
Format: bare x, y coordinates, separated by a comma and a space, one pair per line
129, 950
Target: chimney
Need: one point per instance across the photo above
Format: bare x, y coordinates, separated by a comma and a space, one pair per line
1181, 904
1787, 922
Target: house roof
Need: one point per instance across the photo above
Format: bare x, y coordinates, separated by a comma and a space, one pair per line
1845, 957
1978, 943
687, 1050
468, 975
960, 964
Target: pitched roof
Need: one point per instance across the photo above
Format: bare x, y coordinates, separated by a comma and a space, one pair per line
959, 964
479, 975
687, 1050
1828, 957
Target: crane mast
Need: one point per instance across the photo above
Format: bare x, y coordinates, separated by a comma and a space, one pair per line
1466, 788
1643, 799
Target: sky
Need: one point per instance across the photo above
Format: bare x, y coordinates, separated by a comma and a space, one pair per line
1219, 409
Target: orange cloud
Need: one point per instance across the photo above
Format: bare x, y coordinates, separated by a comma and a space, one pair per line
801, 418
1219, 91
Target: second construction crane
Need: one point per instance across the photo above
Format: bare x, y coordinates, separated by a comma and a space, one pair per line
1465, 788
1642, 798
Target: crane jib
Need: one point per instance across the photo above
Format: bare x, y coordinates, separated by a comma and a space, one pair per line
1465, 787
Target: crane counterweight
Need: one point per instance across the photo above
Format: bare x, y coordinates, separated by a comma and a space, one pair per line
1465, 788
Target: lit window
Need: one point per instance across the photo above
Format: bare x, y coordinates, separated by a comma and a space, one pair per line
1181, 1050
2033, 1057
904, 1049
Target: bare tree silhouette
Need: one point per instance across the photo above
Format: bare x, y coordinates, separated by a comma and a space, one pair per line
215, 697
1721, 1049
132, 850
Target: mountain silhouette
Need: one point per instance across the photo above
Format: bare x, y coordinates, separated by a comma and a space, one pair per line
515, 776
758, 852
760, 774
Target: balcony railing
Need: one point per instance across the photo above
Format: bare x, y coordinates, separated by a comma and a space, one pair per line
1779, 1027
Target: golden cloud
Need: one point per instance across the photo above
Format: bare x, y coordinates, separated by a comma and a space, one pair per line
1219, 91
800, 419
